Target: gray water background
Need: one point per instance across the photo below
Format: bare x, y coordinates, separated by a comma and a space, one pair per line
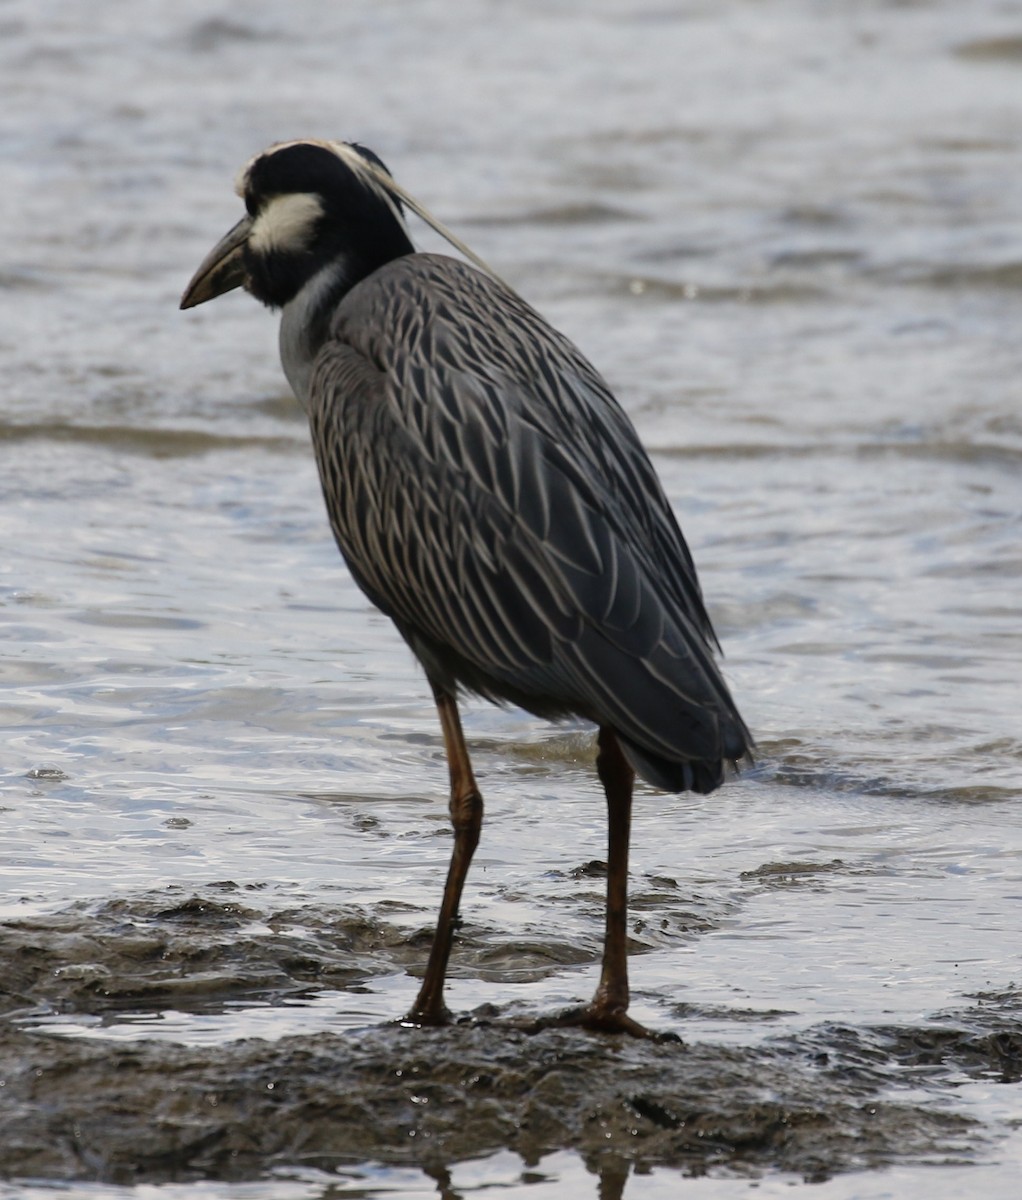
790, 235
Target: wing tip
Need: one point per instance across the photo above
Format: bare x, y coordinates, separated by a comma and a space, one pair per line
690, 775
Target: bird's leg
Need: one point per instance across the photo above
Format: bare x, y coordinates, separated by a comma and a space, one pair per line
467, 819
608, 1009
617, 777
609, 1006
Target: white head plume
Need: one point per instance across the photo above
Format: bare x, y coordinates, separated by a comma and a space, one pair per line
379, 181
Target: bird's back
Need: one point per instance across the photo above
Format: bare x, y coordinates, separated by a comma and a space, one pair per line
492, 497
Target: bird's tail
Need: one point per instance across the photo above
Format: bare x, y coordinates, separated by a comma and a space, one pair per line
698, 775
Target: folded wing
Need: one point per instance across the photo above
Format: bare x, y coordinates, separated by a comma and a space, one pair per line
490, 495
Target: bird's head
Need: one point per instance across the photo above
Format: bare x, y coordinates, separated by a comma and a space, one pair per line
310, 205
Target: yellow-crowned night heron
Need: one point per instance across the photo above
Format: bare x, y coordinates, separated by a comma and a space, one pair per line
490, 496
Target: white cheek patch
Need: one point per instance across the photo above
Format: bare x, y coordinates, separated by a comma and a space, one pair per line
286, 223
241, 179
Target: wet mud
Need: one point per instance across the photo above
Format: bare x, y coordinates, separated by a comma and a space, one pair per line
815, 1102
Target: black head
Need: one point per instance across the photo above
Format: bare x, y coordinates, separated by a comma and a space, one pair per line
311, 205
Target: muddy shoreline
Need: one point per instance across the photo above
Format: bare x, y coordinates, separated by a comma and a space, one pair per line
814, 1103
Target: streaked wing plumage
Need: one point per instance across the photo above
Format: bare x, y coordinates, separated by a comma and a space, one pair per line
490, 495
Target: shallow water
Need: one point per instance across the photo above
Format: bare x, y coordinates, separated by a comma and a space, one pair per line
789, 236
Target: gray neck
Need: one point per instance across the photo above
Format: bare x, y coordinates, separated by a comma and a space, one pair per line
304, 325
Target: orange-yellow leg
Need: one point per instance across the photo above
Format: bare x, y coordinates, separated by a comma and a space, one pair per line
608, 1009
611, 1000
467, 818
609, 1006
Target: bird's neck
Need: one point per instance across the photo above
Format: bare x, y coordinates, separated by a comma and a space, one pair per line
306, 316
305, 323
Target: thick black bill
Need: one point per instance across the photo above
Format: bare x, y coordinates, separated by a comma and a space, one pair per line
223, 268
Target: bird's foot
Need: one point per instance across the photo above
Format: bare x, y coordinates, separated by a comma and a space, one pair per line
432, 1015
600, 1019
595, 1016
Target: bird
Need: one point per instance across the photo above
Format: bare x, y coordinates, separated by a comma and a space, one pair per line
489, 495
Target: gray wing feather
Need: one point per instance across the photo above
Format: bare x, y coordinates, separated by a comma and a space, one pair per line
490, 495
